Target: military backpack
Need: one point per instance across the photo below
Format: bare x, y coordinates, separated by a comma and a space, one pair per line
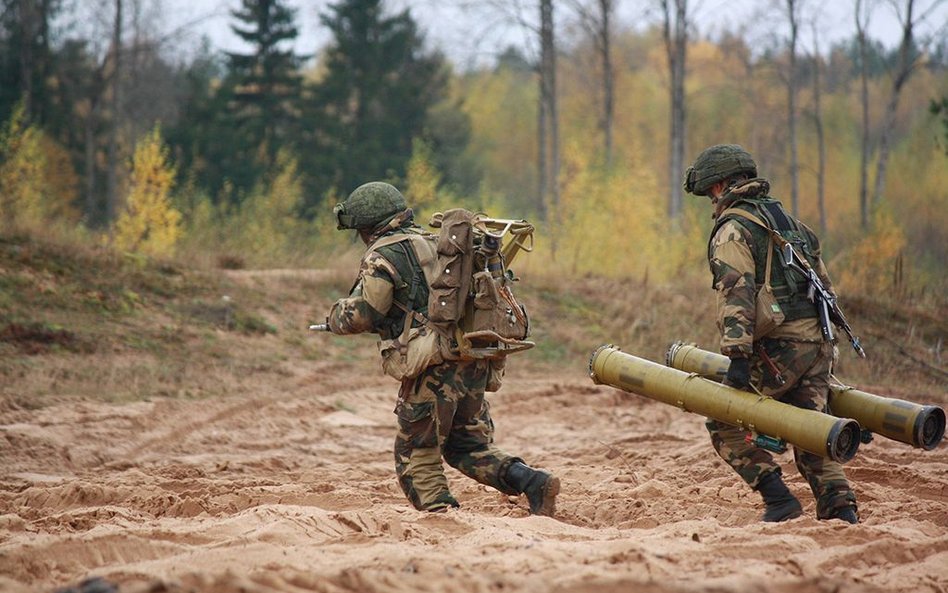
471, 312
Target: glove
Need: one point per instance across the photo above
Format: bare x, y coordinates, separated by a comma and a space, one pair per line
738, 373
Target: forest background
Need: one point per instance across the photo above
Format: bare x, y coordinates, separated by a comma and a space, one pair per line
116, 137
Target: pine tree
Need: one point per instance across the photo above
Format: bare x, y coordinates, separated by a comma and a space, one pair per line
375, 97
265, 86
26, 58
204, 139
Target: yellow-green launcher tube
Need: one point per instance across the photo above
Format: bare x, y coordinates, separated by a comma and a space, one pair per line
818, 433
914, 424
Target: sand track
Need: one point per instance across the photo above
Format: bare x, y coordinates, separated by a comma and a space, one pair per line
294, 491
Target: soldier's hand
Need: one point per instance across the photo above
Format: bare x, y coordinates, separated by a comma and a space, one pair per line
738, 373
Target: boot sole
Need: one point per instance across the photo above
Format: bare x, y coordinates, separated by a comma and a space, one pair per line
550, 491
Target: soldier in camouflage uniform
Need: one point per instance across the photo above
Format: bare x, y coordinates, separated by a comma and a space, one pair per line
790, 362
442, 413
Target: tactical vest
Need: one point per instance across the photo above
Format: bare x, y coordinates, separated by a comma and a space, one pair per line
789, 287
410, 251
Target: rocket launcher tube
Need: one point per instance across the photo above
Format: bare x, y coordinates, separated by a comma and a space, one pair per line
812, 431
914, 424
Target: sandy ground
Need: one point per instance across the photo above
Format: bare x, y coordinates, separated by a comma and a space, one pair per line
295, 491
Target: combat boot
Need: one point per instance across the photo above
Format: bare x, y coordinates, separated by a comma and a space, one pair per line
540, 487
780, 503
847, 514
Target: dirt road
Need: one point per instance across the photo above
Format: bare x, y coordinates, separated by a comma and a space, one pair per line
293, 490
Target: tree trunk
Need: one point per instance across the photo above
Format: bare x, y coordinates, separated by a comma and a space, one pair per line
548, 96
904, 67
92, 206
115, 117
820, 138
864, 100
792, 110
27, 17
606, 8
542, 166
675, 33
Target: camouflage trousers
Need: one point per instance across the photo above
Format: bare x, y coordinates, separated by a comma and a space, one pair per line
443, 413
805, 367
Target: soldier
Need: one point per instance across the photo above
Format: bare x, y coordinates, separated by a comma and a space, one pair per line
769, 328
442, 412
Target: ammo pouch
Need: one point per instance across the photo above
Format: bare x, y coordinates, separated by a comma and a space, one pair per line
407, 356
495, 373
449, 289
769, 314
495, 309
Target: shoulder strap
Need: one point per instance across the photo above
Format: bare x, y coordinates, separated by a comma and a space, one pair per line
754, 219
745, 214
387, 240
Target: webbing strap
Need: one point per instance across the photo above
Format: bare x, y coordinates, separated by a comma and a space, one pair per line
410, 315
773, 241
778, 216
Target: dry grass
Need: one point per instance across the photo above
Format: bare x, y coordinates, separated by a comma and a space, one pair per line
80, 321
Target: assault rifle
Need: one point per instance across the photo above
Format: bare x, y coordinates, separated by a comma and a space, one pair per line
320, 327
817, 293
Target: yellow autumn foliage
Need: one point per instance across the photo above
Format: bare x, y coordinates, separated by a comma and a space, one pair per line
149, 224
266, 224
37, 182
422, 177
872, 264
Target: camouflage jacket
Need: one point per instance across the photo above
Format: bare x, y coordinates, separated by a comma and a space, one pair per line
391, 280
731, 257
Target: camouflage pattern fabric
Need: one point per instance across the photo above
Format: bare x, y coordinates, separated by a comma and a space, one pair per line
369, 205
368, 301
717, 163
799, 354
443, 413
732, 267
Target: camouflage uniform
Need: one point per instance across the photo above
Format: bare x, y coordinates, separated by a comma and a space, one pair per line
795, 348
443, 411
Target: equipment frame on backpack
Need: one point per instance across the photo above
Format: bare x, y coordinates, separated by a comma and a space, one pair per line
470, 300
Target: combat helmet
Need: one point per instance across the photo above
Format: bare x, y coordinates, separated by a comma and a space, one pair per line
716, 163
369, 205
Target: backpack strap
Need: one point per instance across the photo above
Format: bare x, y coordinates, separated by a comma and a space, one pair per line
754, 219
745, 214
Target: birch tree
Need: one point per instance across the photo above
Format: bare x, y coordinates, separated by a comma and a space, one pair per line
908, 60
597, 21
675, 35
862, 15
548, 120
793, 20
